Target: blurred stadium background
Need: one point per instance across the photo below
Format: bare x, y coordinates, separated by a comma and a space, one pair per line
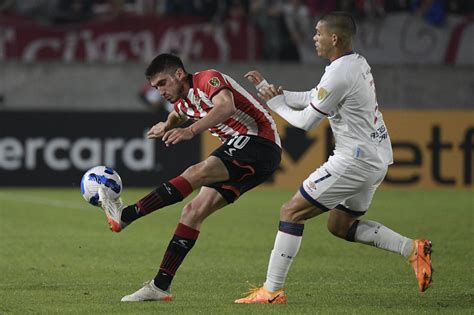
73, 93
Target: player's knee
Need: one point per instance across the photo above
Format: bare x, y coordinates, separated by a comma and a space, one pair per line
284, 211
191, 212
289, 214
194, 212
187, 210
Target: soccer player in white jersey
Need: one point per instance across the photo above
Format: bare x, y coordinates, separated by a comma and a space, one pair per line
250, 153
346, 183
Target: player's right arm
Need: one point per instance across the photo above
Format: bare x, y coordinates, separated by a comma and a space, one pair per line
297, 100
174, 120
331, 90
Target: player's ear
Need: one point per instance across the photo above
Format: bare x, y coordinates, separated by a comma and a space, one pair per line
335, 39
180, 73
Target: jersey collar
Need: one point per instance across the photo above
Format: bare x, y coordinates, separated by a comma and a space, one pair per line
346, 54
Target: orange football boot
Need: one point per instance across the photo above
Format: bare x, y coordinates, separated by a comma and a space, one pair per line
420, 261
263, 296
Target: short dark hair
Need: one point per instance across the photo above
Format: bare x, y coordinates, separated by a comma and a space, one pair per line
164, 62
342, 23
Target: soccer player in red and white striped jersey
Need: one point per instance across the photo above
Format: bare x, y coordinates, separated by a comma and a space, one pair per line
250, 117
249, 155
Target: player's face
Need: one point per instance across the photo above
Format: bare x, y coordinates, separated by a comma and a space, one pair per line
169, 85
323, 40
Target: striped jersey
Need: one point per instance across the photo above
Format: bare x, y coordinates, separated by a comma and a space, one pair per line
250, 118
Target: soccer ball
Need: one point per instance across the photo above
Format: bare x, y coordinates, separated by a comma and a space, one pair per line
100, 176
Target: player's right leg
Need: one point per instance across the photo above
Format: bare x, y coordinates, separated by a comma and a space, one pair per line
119, 215
287, 243
303, 205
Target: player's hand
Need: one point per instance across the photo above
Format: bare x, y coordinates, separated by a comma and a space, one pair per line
254, 77
177, 135
157, 131
267, 93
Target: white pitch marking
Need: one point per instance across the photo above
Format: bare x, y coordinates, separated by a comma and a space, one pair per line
41, 201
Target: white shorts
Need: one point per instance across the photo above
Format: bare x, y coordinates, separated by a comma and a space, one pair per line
343, 182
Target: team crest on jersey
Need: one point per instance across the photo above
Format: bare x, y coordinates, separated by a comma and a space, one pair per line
322, 93
214, 81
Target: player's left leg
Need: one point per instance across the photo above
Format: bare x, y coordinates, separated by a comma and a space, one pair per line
345, 225
343, 222
194, 213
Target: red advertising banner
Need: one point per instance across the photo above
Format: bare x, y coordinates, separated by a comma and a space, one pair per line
128, 38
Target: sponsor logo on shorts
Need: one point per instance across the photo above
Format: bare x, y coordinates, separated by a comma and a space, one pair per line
311, 186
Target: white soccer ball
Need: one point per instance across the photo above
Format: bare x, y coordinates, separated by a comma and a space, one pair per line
100, 176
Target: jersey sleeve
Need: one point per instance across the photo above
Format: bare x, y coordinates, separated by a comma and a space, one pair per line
330, 91
211, 82
305, 119
299, 100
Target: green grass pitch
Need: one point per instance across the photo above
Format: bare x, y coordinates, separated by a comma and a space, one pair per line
57, 256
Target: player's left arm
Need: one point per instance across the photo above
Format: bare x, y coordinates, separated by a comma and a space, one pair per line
298, 100
306, 118
224, 108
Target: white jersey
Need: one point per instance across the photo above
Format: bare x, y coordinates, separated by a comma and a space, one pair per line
346, 95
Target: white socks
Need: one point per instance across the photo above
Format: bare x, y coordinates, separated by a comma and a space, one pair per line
368, 232
378, 235
285, 249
